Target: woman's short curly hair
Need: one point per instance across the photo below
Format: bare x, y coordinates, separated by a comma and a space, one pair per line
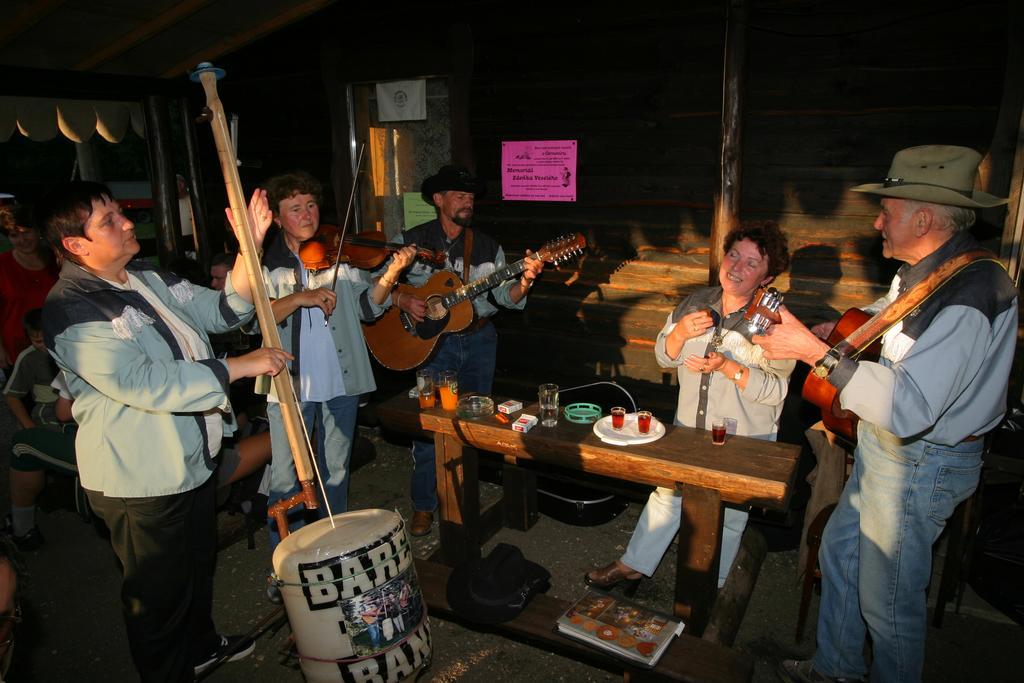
770, 241
287, 185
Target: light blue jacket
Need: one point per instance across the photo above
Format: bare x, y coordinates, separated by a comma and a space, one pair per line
138, 402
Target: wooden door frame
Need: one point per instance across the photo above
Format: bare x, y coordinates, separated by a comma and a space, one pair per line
341, 71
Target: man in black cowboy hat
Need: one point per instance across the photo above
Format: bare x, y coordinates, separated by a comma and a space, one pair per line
471, 255
938, 387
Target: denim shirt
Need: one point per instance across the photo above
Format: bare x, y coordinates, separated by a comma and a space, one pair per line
354, 303
945, 367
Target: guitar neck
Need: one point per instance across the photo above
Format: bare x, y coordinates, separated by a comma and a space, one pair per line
905, 303
484, 284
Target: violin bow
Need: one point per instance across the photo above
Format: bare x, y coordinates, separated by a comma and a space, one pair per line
348, 212
207, 75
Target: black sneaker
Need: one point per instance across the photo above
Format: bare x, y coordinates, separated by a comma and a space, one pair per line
27, 542
232, 648
30, 540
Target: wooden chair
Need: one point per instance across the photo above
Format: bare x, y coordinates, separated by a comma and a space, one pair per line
812, 572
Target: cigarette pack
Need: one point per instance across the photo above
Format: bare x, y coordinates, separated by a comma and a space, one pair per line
525, 423
509, 407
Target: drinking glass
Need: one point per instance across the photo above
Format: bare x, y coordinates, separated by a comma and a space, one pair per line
449, 389
618, 418
718, 431
643, 421
425, 388
547, 396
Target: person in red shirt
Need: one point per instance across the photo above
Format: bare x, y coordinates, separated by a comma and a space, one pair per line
27, 273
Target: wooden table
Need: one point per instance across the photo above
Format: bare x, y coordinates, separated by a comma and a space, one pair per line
743, 471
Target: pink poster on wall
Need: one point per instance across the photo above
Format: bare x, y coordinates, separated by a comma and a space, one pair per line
538, 170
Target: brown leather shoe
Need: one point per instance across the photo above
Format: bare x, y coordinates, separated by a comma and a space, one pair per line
421, 523
611, 576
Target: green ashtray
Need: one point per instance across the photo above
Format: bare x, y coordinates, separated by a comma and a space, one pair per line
582, 413
474, 405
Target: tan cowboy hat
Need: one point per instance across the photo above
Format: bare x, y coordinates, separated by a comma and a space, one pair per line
940, 174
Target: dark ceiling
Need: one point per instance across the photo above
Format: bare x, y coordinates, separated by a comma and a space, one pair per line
151, 38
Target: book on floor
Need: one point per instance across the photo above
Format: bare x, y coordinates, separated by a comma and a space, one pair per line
620, 626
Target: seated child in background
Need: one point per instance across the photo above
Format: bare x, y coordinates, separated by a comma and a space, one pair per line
28, 392
38, 450
34, 451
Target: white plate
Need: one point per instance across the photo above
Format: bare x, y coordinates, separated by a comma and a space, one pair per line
628, 435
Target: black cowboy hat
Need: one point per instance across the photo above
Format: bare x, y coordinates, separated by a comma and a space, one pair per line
496, 588
451, 177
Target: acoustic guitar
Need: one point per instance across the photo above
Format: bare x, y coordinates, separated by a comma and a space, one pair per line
823, 394
399, 343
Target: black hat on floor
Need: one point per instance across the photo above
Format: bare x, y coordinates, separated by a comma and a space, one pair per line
496, 588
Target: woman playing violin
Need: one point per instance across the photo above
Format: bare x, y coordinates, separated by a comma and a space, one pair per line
320, 327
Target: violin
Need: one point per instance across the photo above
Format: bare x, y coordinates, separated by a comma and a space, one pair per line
366, 250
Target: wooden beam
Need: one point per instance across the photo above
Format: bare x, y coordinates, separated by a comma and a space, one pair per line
460, 42
196, 188
1006, 155
32, 14
165, 188
730, 166
237, 40
337, 103
162, 22
86, 85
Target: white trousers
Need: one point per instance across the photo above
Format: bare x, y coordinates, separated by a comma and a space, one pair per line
659, 524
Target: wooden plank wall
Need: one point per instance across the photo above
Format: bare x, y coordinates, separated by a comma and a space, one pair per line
832, 91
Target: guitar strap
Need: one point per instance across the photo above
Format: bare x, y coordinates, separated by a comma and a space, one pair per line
467, 252
908, 302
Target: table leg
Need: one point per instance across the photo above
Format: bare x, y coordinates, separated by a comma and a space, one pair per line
520, 495
458, 499
700, 545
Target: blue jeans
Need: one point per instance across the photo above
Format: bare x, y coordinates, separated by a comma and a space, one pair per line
876, 553
473, 356
334, 423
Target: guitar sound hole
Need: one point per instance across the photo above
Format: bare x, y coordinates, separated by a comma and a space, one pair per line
435, 308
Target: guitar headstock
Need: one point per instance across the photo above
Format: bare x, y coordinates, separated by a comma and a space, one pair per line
559, 250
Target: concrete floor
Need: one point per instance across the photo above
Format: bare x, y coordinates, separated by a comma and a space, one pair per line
73, 629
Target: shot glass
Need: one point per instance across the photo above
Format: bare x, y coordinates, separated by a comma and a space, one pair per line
643, 421
425, 388
718, 428
618, 418
449, 389
547, 396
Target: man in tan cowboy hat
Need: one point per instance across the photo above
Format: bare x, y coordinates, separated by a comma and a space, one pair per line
938, 387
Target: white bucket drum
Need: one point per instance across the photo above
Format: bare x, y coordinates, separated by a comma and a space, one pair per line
352, 598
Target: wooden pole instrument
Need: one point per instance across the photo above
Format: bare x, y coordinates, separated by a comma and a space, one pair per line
207, 75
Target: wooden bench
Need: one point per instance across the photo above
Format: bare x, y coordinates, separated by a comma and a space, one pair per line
686, 659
